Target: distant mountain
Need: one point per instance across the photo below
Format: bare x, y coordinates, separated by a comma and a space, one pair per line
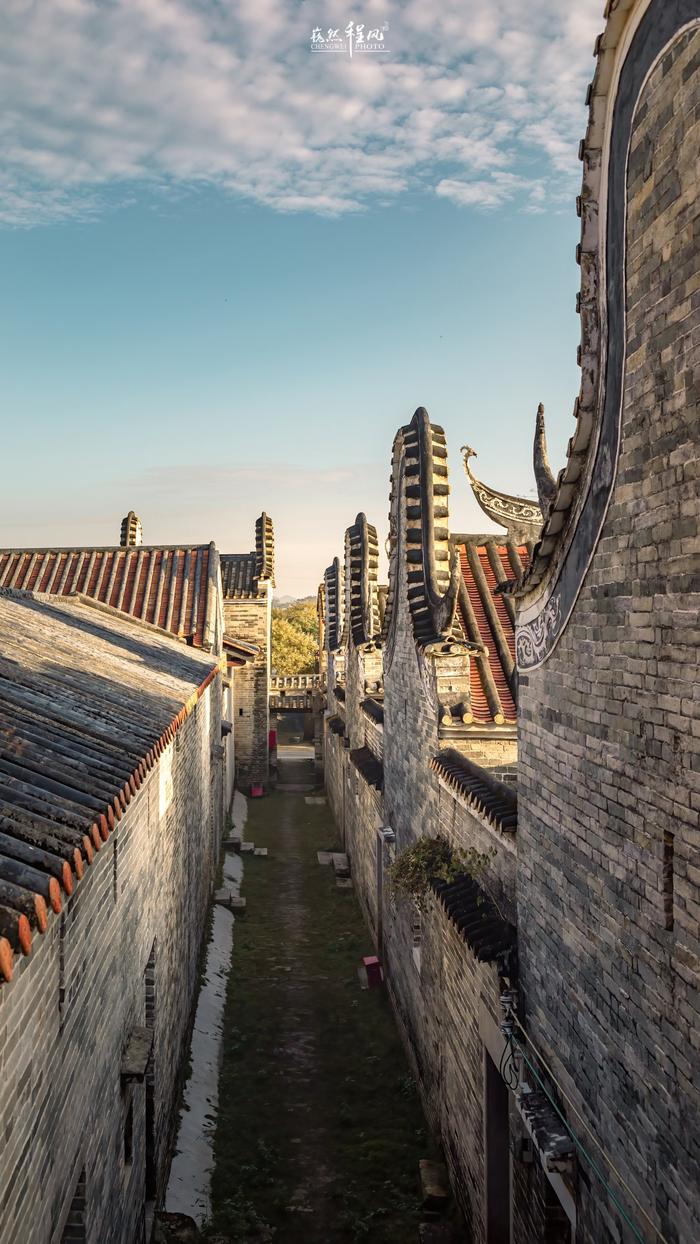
283, 602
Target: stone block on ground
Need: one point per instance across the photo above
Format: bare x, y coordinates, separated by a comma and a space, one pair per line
315, 799
223, 897
247, 848
434, 1184
324, 857
237, 903
260, 851
343, 883
341, 864
232, 844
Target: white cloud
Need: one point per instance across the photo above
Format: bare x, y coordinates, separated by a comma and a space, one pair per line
471, 95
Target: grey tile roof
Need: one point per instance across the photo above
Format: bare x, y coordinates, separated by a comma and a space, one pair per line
368, 766
374, 709
495, 801
89, 699
238, 574
477, 920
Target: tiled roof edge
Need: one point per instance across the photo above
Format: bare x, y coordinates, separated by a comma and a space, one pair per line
105, 822
419, 503
106, 548
373, 710
493, 800
369, 768
490, 937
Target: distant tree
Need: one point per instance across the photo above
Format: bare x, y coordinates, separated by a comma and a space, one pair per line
303, 615
294, 639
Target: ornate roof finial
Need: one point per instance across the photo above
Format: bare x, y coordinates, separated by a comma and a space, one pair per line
546, 483
521, 518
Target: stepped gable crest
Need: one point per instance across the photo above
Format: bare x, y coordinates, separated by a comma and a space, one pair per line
243, 574
418, 534
334, 593
361, 590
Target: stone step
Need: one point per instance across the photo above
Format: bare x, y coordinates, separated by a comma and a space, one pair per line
260, 851
226, 898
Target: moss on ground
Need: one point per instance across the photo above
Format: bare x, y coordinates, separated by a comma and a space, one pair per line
319, 1130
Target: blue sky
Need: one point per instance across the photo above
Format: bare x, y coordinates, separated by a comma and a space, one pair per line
200, 326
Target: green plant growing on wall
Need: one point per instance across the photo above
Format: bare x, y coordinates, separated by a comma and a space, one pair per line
433, 859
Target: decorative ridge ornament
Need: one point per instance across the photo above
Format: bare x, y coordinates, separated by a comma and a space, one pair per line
546, 483
521, 518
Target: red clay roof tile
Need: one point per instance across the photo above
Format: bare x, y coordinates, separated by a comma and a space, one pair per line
168, 587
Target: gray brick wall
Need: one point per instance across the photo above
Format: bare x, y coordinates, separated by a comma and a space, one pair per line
610, 732
67, 1014
250, 621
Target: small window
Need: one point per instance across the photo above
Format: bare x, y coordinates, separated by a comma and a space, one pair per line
416, 935
129, 1132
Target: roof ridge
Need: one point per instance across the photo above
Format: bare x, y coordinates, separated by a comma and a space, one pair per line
105, 548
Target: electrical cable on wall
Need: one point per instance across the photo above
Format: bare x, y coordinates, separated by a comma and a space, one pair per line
512, 1051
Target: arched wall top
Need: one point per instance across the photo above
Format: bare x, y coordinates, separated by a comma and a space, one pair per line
635, 37
361, 591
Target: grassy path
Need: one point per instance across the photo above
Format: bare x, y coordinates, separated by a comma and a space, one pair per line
319, 1130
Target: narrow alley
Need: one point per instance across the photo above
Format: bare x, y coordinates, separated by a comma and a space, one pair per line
320, 1131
